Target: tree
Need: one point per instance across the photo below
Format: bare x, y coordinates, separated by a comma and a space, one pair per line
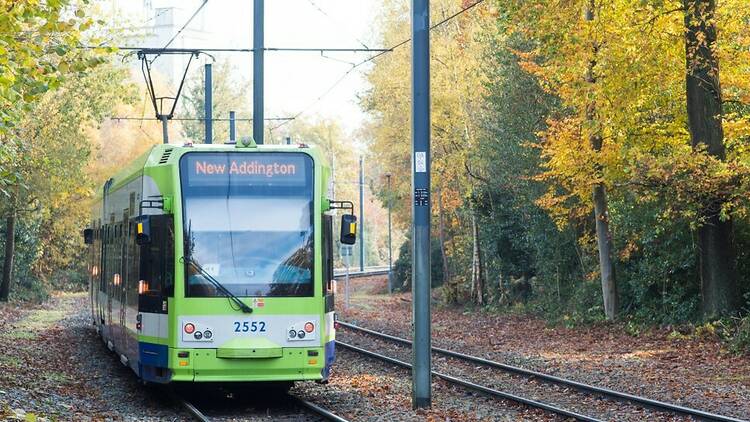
50, 163
456, 113
601, 216
38, 49
704, 109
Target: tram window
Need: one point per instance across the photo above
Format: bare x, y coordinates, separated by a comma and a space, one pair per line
157, 257
328, 253
270, 254
105, 263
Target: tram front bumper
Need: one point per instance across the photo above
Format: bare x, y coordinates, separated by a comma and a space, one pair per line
203, 365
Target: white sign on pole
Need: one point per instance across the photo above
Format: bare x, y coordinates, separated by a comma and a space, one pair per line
420, 162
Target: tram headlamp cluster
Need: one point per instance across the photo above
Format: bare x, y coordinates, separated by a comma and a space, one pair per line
303, 330
197, 331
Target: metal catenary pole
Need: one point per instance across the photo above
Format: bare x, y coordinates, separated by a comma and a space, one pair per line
361, 213
164, 127
390, 245
421, 373
232, 127
208, 105
258, 52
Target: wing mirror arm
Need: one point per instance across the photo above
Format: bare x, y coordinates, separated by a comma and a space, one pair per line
348, 222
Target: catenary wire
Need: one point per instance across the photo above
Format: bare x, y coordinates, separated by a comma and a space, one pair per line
171, 40
369, 59
323, 12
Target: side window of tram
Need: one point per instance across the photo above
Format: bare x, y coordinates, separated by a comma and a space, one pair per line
105, 263
327, 253
157, 257
328, 286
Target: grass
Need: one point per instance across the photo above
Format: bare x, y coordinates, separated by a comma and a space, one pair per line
57, 377
10, 361
35, 322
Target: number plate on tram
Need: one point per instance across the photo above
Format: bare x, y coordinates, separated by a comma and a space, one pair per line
250, 327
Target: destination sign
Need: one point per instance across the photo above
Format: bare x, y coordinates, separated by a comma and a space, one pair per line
216, 169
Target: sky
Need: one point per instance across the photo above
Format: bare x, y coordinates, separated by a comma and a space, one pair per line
294, 81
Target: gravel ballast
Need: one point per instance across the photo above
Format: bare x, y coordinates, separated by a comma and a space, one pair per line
55, 367
693, 372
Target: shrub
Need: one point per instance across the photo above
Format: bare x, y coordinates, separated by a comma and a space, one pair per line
402, 266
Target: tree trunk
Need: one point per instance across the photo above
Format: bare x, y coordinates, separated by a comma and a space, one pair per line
599, 193
10, 235
717, 259
477, 273
604, 242
441, 235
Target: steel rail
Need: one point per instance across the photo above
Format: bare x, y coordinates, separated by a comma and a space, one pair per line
194, 412
327, 414
486, 390
359, 274
586, 388
339, 272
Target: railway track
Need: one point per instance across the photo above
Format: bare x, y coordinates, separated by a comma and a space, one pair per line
628, 399
368, 272
311, 407
473, 386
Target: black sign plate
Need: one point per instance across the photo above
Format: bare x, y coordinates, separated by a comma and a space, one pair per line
421, 197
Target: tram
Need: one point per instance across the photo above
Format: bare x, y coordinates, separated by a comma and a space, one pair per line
214, 263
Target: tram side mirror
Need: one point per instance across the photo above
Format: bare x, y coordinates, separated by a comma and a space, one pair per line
348, 229
88, 236
143, 230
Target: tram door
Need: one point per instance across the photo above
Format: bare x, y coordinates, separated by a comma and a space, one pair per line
100, 314
118, 286
109, 276
129, 281
114, 268
121, 283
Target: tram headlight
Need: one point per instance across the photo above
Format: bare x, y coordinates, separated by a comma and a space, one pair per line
292, 334
301, 334
208, 334
198, 335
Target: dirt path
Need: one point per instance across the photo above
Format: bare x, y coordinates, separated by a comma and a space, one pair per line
54, 366
693, 372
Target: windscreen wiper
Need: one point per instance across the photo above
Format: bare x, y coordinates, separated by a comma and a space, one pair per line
246, 309
189, 259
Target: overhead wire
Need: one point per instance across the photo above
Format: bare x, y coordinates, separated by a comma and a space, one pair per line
156, 15
335, 21
104, 43
197, 119
369, 59
171, 40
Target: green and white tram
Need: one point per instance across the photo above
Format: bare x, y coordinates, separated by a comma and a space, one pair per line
214, 263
